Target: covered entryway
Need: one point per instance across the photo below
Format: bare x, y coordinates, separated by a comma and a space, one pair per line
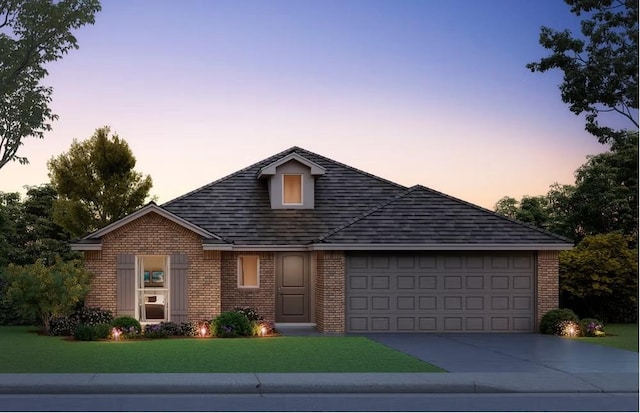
292, 287
440, 292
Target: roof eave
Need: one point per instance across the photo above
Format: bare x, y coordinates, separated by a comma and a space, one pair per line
441, 247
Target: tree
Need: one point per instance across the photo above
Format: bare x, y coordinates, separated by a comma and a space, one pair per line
33, 33
44, 291
507, 206
600, 69
606, 191
96, 183
599, 278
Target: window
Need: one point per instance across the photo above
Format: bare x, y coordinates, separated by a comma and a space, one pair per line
248, 271
152, 287
292, 189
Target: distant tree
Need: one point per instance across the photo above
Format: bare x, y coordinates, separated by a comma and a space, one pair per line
46, 291
605, 198
507, 206
599, 278
10, 212
96, 183
33, 33
600, 67
534, 210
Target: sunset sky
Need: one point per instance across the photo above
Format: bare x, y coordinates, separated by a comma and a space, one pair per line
418, 92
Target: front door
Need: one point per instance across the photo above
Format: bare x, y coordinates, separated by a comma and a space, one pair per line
292, 287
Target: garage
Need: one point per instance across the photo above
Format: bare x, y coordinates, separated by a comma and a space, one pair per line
440, 292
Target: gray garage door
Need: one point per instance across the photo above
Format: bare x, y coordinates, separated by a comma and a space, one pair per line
440, 292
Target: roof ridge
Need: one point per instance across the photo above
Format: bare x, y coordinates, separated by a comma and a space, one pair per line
366, 213
515, 221
224, 178
360, 171
272, 158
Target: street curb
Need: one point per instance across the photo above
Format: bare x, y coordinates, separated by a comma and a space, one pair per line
317, 383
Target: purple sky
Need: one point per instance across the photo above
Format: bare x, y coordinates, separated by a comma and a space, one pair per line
418, 92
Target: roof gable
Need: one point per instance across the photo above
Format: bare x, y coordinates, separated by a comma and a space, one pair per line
293, 156
151, 207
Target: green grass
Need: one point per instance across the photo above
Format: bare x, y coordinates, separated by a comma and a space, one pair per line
24, 351
624, 336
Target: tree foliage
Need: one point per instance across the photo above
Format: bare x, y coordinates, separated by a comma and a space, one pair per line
599, 277
601, 66
33, 33
46, 291
96, 183
604, 198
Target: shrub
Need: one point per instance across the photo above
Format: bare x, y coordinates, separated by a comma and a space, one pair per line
231, 324
94, 316
550, 323
170, 328
257, 327
85, 332
251, 313
154, 331
63, 326
590, 327
193, 329
129, 326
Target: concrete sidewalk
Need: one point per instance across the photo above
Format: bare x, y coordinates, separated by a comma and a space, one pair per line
285, 383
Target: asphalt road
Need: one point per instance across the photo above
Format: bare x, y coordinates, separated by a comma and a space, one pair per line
325, 402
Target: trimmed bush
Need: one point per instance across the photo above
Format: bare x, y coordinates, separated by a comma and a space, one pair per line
63, 326
129, 326
154, 331
231, 324
85, 332
551, 321
192, 329
94, 316
590, 327
257, 326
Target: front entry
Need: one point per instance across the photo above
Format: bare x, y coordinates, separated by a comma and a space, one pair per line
292, 287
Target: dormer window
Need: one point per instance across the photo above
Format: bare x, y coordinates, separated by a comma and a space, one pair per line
291, 182
291, 189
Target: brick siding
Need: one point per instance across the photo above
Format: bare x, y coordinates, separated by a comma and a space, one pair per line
547, 286
151, 234
261, 298
330, 291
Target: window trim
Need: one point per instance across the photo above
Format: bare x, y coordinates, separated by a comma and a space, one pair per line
142, 291
239, 271
301, 176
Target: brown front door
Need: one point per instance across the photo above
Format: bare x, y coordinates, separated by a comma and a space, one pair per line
292, 287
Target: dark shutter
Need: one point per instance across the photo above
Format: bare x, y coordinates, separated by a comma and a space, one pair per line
179, 290
126, 285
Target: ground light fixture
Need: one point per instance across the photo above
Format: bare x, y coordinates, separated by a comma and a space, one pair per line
203, 331
116, 334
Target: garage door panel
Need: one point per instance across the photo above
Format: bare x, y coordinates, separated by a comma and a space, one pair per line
431, 292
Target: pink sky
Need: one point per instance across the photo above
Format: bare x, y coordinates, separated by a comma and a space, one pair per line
417, 92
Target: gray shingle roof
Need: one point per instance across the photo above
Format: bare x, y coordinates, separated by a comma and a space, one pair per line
423, 216
351, 207
237, 207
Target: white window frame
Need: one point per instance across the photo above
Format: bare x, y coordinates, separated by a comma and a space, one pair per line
142, 291
239, 271
301, 176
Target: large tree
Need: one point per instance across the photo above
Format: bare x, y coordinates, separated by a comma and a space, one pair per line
96, 183
33, 33
601, 66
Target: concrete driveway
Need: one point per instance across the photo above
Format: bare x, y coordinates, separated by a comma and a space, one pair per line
517, 353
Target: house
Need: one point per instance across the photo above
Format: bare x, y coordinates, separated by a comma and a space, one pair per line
306, 239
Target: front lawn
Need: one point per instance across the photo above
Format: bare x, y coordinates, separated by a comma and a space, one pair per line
624, 336
24, 351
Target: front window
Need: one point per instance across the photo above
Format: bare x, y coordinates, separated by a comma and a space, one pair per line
152, 286
292, 189
248, 271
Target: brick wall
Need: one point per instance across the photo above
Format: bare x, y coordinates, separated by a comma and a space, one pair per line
330, 291
547, 286
262, 298
152, 234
